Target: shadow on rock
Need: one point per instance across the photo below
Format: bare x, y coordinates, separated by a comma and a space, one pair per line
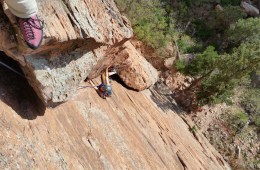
116, 78
17, 93
163, 98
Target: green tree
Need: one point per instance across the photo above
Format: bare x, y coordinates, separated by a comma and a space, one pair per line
229, 68
223, 19
216, 76
202, 64
152, 20
245, 30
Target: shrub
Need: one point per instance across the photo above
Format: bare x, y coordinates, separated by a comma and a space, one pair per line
223, 19
180, 65
186, 43
230, 2
237, 119
250, 101
152, 20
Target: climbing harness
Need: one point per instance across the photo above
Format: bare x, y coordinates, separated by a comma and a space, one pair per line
106, 91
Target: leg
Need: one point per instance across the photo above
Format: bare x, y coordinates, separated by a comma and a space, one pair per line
30, 25
100, 93
22, 8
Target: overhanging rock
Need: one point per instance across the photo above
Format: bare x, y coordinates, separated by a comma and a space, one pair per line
136, 73
77, 35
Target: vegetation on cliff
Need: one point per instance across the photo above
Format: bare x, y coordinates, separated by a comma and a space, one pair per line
224, 39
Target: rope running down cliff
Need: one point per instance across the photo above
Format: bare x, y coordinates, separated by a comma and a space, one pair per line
10, 68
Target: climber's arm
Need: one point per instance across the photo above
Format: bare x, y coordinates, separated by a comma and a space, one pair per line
107, 77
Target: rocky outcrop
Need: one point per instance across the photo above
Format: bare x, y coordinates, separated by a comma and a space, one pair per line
81, 38
135, 71
168, 63
76, 35
126, 131
132, 68
249, 9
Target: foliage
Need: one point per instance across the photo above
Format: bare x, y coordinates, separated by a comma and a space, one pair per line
186, 44
219, 74
245, 30
250, 98
225, 45
230, 2
193, 129
231, 67
250, 101
237, 119
256, 120
203, 31
240, 118
180, 66
223, 19
157, 23
203, 63
152, 20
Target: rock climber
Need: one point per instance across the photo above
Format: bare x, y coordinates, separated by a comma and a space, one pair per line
26, 16
104, 89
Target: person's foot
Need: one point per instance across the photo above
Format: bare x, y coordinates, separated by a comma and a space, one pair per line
32, 31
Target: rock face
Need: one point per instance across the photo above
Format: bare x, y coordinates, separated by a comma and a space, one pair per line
135, 71
126, 131
131, 66
77, 38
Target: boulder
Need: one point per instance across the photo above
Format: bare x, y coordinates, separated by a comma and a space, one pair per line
187, 58
168, 63
218, 7
249, 9
136, 72
77, 36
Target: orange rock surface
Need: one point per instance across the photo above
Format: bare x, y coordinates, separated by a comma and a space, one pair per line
126, 131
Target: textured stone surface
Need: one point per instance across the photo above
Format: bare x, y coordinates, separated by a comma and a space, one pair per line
56, 80
136, 72
74, 20
76, 37
126, 131
168, 63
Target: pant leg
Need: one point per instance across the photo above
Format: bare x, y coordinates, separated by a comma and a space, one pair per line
22, 8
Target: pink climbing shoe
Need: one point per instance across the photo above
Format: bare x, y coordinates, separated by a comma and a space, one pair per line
32, 31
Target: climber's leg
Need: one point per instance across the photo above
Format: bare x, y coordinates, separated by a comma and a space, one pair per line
22, 8
30, 25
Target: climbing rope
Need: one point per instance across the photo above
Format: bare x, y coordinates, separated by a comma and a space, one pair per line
10, 68
83, 87
13, 70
